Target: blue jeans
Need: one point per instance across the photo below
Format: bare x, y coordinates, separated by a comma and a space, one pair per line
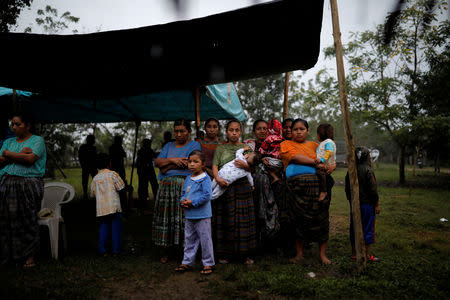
110, 223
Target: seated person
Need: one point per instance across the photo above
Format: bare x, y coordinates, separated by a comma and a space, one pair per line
231, 173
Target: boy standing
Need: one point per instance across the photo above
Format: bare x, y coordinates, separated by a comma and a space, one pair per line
105, 187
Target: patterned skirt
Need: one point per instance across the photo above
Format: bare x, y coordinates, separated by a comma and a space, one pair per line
309, 215
168, 217
20, 201
234, 226
265, 205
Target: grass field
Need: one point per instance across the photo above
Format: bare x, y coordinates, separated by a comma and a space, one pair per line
411, 241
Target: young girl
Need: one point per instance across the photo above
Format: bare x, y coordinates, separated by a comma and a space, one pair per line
326, 154
196, 201
231, 173
368, 201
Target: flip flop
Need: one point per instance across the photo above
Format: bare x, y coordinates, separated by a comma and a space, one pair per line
29, 265
249, 261
183, 268
207, 270
223, 261
373, 259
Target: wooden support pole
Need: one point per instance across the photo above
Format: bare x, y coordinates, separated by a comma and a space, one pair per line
286, 97
353, 175
130, 192
197, 111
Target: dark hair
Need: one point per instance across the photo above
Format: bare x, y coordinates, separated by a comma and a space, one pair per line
146, 143
167, 135
287, 120
118, 139
183, 122
103, 160
27, 119
199, 154
211, 120
91, 138
300, 120
325, 131
257, 159
256, 123
233, 121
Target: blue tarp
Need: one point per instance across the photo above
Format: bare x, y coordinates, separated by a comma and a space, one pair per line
219, 101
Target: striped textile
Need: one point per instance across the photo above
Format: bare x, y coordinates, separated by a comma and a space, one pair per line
309, 215
20, 201
168, 217
234, 227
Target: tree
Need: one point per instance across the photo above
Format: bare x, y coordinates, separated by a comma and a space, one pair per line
51, 23
382, 76
9, 12
262, 98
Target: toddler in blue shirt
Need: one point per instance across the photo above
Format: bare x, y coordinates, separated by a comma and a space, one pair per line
196, 201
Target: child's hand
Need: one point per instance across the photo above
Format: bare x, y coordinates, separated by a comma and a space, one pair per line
253, 188
247, 148
186, 203
317, 161
377, 209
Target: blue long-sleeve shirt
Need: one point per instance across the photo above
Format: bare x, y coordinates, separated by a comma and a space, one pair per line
198, 190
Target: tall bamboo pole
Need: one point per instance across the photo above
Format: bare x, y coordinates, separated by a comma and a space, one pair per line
286, 97
353, 175
130, 193
197, 111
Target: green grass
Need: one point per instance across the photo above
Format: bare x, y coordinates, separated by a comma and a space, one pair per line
412, 242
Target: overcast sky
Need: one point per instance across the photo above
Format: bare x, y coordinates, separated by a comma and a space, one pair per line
104, 15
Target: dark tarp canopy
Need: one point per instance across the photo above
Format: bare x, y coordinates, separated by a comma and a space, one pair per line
218, 101
264, 39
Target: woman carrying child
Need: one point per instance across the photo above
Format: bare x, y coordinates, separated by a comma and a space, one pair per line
309, 215
196, 201
234, 213
168, 220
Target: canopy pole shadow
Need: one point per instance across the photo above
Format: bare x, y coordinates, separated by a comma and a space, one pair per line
286, 97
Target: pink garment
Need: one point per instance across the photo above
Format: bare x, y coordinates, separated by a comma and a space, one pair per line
271, 145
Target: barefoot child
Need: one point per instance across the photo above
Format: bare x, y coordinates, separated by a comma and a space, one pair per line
196, 201
231, 173
326, 155
368, 199
105, 187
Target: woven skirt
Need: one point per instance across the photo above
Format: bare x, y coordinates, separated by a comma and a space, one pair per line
234, 225
309, 215
168, 217
20, 201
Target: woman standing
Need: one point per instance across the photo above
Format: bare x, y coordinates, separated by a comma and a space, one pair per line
168, 220
260, 133
234, 214
210, 143
23, 161
287, 131
309, 215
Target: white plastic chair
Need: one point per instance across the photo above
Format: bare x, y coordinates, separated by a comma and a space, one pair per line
54, 195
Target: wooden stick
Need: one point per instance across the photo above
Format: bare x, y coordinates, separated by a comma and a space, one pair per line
197, 111
353, 175
286, 97
130, 192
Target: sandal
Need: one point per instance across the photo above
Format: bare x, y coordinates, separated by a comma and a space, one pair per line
373, 259
207, 270
249, 261
223, 261
29, 265
183, 268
